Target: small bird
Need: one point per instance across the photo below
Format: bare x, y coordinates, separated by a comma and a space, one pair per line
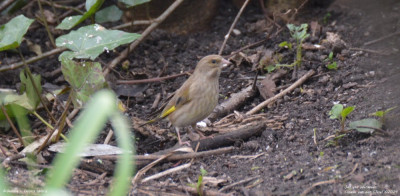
197, 97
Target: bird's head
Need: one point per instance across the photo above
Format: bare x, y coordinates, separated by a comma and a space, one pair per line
211, 65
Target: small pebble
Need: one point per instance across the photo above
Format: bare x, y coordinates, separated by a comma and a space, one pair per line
236, 32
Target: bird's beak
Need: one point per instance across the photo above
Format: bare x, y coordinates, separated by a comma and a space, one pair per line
225, 63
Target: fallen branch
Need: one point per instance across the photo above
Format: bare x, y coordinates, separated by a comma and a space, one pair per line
238, 132
146, 33
281, 94
232, 103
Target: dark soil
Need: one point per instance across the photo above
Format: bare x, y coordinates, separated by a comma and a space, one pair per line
289, 160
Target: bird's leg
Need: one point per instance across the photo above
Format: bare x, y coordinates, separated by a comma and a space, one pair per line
179, 138
202, 136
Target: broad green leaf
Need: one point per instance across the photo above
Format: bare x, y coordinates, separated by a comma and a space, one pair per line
27, 86
85, 79
108, 14
131, 3
346, 111
336, 111
72, 21
11, 33
368, 122
90, 41
69, 22
89, 4
11, 98
15, 105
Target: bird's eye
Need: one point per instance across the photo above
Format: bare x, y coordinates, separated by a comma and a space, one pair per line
213, 61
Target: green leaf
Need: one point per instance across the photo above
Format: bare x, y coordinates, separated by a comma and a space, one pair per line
330, 57
382, 113
336, 111
270, 68
85, 79
203, 171
332, 66
368, 122
72, 21
346, 111
86, 129
14, 99
90, 41
108, 14
285, 44
131, 3
27, 86
69, 22
11, 33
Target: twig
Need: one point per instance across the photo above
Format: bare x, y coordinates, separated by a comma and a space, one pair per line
109, 135
156, 101
12, 125
137, 22
96, 180
144, 159
138, 175
232, 26
144, 81
193, 191
46, 26
305, 192
370, 51
12, 158
31, 60
381, 38
5, 4
237, 183
279, 95
146, 33
65, 14
248, 46
63, 6
166, 172
3, 151
315, 136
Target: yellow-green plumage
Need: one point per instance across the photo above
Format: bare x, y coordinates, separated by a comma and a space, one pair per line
198, 96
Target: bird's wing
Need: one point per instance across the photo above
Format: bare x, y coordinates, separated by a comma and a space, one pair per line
180, 98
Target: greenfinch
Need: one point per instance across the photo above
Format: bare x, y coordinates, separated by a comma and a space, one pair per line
197, 97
